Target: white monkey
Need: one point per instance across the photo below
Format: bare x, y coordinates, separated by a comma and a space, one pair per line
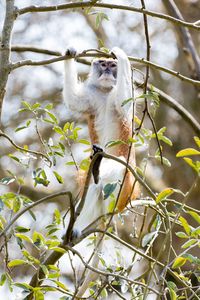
100, 100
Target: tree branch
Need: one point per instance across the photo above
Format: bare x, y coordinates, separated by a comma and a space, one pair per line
29, 48
185, 36
100, 54
5, 49
163, 96
168, 100
34, 8
2, 134
25, 209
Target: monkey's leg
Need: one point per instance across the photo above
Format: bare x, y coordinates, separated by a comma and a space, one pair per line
130, 191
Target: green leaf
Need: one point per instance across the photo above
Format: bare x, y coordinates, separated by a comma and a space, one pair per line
14, 157
109, 189
165, 140
172, 290
26, 105
162, 130
49, 106
24, 237
57, 216
164, 194
58, 130
38, 295
3, 279
111, 206
20, 128
16, 262
70, 163
126, 101
45, 270
84, 165
192, 259
100, 16
66, 126
104, 293
185, 225
182, 235
195, 165
28, 123
21, 229
71, 126
179, 262
197, 141
58, 177
188, 244
30, 258
61, 285
58, 249
115, 143
166, 161
53, 117
195, 216
48, 121
7, 180
17, 204
195, 232
35, 106
148, 238
187, 152
38, 239
83, 141
26, 287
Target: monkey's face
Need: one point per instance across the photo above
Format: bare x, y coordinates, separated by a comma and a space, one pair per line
105, 72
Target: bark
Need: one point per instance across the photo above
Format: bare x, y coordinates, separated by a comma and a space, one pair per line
5, 49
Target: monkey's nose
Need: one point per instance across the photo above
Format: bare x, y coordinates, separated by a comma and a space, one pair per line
107, 71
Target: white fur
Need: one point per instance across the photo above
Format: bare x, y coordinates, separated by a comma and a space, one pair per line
95, 205
89, 97
86, 98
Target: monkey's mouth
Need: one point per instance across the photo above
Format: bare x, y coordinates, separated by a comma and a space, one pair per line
107, 77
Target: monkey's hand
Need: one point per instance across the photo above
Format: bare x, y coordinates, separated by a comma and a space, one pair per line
118, 53
71, 52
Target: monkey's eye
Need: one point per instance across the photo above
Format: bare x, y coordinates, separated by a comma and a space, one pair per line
103, 64
113, 65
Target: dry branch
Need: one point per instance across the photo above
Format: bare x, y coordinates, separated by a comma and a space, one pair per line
185, 36
99, 54
29, 207
5, 49
34, 8
2, 134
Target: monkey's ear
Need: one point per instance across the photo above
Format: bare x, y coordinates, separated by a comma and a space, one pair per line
71, 52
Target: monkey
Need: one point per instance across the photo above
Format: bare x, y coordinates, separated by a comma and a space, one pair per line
100, 101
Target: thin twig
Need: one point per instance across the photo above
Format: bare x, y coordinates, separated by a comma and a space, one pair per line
2, 134
168, 100
29, 207
186, 37
33, 8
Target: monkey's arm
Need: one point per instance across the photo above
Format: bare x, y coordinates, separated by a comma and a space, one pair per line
73, 92
123, 85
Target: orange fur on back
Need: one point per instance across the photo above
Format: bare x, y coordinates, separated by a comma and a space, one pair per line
130, 189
